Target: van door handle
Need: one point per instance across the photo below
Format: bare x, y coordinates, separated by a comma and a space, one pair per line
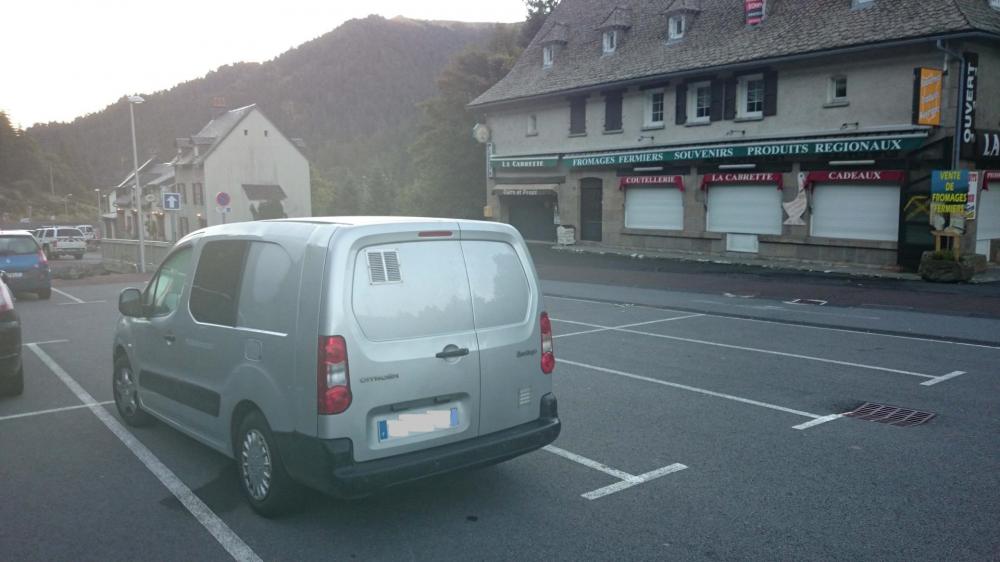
452, 351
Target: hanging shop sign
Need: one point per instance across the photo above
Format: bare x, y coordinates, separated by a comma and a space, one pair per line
990, 176
953, 192
927, 96
790, 148
988, 145
649, 181
742, 178
863, 176
968, 96
754, 11
526, 163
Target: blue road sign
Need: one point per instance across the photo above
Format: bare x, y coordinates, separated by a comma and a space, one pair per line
171, 201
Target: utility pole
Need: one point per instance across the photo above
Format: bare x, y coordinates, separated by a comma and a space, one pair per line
52, 183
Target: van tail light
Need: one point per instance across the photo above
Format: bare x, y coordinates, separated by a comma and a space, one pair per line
333, 383
548, 354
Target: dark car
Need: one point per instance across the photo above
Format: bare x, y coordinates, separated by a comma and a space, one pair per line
27, 268
11, 369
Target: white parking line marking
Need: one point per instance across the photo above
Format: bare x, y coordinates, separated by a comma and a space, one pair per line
626, 484
942, 378
229, 540
76, 303
786, 324
44, 342
627, 480
623, 325
817, 421
757, 350
693, 389
51, 411
67, 295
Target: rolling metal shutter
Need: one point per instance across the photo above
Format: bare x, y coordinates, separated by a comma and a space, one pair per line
744, 209
855, 211
654, 207
988, 214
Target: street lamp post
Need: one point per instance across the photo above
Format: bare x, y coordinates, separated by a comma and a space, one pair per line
137, 195
100, 212
66, 204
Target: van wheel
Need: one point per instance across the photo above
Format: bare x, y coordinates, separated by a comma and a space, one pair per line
126, 391
263, 479
15, 386
45, 294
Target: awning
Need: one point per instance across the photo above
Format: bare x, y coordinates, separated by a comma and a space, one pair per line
526, 189
990, 176
651, 181
866, 176
742, 178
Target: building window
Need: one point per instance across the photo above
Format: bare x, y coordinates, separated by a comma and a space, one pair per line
610, 41
265, 132
197, 194
751, 95
613, 112
838, 89
532, 125
547, 56
654, 109
578, 116
700, 96
182, 189
245, 132
676, 27
856, 4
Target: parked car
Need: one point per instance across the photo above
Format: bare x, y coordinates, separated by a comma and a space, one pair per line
11, 367
90, 234
27, 268
346, 354
62, 240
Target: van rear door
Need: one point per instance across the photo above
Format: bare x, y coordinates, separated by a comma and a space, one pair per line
414, 359
505, 307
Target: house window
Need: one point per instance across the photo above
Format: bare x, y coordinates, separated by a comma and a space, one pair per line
197, 194
700, 96
861, 3
610, 41
613, 112
182, 189
265, 132
654, 109
751, 95
578, 116
838, 89
676, 27
547, 56
532, 125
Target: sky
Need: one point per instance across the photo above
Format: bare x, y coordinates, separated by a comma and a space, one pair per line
62, 59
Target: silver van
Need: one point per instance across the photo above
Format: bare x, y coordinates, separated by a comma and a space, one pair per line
346, 353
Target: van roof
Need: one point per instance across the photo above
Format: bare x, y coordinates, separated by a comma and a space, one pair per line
15, 232
367, 220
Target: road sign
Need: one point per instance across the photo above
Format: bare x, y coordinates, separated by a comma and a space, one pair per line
222, 199
224, 210
171, 202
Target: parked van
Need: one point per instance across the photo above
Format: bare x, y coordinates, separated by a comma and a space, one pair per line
347, 353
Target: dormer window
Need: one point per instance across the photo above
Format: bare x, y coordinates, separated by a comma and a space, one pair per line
548, 54
858, 4
676, 27
557, 34
610, 41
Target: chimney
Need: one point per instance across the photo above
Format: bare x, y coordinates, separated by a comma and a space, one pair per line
219, 106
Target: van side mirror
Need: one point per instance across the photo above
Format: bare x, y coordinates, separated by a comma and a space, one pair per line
130, 303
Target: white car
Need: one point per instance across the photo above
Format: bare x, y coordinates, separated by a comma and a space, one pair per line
90, 234
62, 240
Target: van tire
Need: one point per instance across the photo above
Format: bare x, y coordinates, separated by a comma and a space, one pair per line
128, 406
14, 386
45, 294
257, 455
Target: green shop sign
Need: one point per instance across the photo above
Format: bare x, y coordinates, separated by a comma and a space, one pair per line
794, 148
525, 163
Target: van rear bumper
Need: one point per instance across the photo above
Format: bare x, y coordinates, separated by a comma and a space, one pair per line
328, 464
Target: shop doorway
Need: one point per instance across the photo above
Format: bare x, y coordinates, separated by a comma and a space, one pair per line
533, 216
591, 209
914, 221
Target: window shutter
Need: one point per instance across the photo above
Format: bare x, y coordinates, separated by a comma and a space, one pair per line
729, 112
770, 93
681, 104
715, 111
613, 111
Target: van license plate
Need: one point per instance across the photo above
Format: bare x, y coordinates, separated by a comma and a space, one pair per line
15, 274
416, 422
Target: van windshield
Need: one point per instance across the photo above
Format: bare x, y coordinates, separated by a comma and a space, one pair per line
17, 245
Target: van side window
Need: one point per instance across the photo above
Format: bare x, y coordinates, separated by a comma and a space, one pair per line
164, 291
500, 291
268, 294
217, 282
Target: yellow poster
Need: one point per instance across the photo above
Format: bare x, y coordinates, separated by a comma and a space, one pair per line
929, 102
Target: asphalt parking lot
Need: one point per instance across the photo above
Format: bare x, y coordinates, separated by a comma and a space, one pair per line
708, 430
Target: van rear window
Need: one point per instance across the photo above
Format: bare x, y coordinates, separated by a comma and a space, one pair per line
411, 290
500, 293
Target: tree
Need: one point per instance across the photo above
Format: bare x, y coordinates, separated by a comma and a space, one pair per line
538, 10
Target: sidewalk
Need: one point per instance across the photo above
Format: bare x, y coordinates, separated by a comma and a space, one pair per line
992, 274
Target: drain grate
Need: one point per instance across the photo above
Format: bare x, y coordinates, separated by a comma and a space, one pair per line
892, 415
